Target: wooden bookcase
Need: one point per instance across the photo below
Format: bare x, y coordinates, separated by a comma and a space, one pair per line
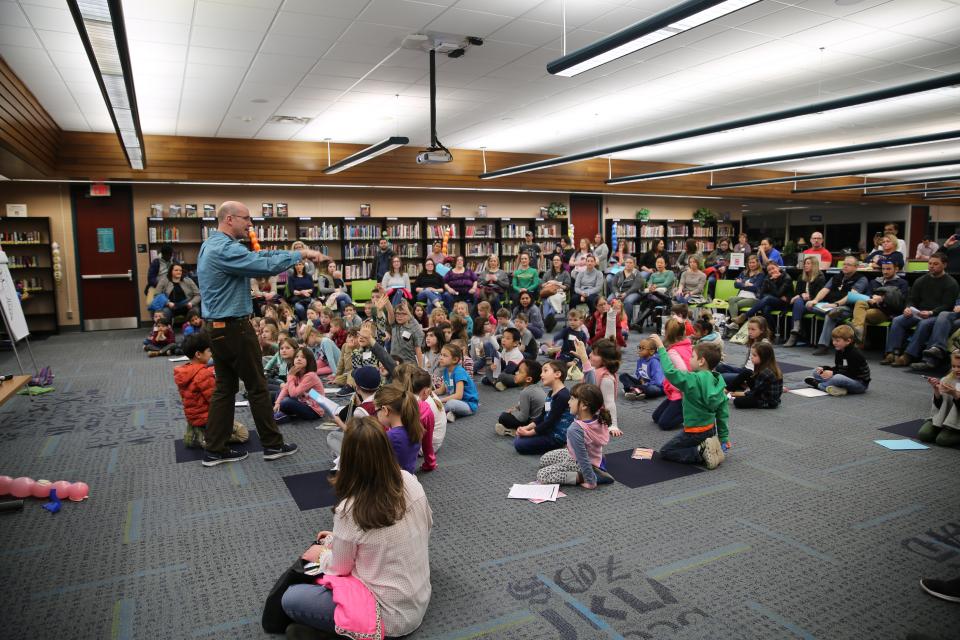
637, 238
26, 242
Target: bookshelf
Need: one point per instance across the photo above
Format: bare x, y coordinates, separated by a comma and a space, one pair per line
26, 242
638, 238
546, 233
186, 234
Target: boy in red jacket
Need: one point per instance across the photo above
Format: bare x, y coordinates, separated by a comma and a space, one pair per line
196, 381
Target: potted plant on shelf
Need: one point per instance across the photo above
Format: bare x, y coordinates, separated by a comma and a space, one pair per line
704, 217
556, 210
643, 214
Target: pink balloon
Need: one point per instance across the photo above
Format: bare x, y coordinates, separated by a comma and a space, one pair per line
5, 482
22, 487
78, 491
63, 489
41, 489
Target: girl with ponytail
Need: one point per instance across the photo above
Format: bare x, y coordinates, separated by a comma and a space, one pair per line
399, 413
580, 462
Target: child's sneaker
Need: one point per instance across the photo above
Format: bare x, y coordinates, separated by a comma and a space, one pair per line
451, 417
485, 380
154, 354
635, 394
504, 431
500, 386
811, 382
602, 476
280, 417
711, 452
836, 391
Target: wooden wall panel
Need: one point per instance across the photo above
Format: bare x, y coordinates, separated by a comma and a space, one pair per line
26, 129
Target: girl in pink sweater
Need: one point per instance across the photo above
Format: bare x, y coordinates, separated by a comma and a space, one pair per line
293, 400
669, 415
580, 462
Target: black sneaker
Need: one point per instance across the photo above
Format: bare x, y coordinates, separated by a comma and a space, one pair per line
821, 350
948, 590
212, 459
934, 353
811, 382
923, 365
286, 449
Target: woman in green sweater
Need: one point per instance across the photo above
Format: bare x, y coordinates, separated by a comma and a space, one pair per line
525, 278
657, 294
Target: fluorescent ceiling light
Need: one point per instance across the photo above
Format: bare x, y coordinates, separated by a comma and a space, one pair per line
803, 110
832, 174
956, 197
658, 27
886, 183
365, 154
738, 164
906, 191
102, 31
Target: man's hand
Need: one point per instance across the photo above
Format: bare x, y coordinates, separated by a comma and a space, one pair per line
826, 375
313, 256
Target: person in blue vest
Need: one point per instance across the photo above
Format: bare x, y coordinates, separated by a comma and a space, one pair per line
225, 267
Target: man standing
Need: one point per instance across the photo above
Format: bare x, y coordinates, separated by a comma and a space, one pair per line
381, 260
817, 248
532, 249
224, 268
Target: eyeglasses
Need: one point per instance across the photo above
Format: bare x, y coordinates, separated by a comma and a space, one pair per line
242, 217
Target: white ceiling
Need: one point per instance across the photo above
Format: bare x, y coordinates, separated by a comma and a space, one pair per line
205, 68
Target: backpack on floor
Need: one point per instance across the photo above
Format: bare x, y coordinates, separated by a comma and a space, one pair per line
740, 337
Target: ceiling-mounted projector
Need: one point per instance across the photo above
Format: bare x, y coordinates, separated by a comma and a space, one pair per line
434, 156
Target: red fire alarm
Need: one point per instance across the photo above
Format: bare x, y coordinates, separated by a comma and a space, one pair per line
99, 190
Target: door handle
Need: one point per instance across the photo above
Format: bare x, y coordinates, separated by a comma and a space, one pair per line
107, 276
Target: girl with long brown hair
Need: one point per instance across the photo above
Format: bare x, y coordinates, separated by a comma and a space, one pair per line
399, 413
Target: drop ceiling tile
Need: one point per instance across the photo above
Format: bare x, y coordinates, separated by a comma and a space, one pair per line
281, 69
784, 22
830, 33
934, 26
380, 86
339, 68
468, 23
513, 8
336, 83
577, 14
201, 72
519, 72
402, 13
399, 74
11, 14
277, 131
281, 44
347, 9
618, 19
937, 60
50, 18
315, 95
231, 16
306, 25
139, 30
180, 11
523, 31
891, 14
357, 53
730, 41
153, 51
19, 37
217, 38
219, 57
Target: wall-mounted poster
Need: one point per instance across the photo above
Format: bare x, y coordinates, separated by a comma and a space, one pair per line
445, 210
365, 211
266, 209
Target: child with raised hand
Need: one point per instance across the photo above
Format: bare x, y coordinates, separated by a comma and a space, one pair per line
196, 382
600, 368
530, 405
369, 351
294, 400
399, 413
850, 372
579, 462
943, 426
764, 383
510, 358
705, 408
647, 380
457, 391
669, 413
549, 431
433, 416
608, 321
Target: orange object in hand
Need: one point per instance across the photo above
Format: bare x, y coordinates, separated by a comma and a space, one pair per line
254, 241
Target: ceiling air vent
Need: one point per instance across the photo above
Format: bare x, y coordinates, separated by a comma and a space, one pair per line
289, 120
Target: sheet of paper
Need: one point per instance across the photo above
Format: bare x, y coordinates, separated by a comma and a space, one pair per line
809, 392
642, 454
560, 494
242, 403
330, 390
179, 359
534, 491
329, 406
901, 445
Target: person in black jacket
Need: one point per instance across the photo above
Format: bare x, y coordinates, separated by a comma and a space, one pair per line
428, 287
764, 383
888, 295
381, 259
774, 295
850, 372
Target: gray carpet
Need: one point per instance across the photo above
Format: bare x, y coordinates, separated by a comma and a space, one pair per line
808, 530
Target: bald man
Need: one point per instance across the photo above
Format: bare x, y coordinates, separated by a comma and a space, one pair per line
224, 269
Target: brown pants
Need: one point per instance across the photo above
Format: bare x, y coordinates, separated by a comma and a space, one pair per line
236, 356
864, 314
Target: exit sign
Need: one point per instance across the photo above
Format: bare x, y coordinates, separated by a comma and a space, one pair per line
99, 190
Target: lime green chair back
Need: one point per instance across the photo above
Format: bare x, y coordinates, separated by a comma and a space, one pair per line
725, 289
916, 265
362, 290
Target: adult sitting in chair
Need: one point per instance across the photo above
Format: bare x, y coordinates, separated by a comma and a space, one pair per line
817, 249
461, 283
659, 285
748, 284
379, 543
525, 279
888, 296
331, 289
182, 293
775, 293
588, 286
494, 282
300, 290
554, 290
396, 282
627, 286
158, 268
768, 253
835, 293
428, 286
807, 288
935, 292
887, 253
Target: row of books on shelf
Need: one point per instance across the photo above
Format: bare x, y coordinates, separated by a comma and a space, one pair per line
32, 284
21, 237
402, 231
157, 210
361, 231
322, 231
674, 230
437, 231
480, 231
23, 262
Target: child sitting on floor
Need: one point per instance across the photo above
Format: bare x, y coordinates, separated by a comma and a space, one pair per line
647, 380
705, 408
530, 405
757, 331
433, 417
458, 391
269, 338
462, 309
681, 312
399, 413
764, 383
600, 368
579, 462
196, 382
528, 344
608, 321
943, 427
350, 318
508, 360
503, 320
366, 381
704, 331
345, 366
669, 413
564, 347
850, 372
483, 347
294, 400
548, 431
194, 323
433, 341
161, 338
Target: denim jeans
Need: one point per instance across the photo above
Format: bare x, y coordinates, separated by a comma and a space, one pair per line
798, 310
669, 414
649, 390
535, 445
331, 353
765, 306
296, 409
685, 447
458, 408
898, 331
342, 301
309, 604
430, 297
300, 308
839, 380
930, 332
396, 297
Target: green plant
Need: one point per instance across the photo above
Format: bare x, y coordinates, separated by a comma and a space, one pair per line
556, 210
789, 248
704, 216
643, 214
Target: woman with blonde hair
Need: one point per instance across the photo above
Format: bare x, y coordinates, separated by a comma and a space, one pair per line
809, 283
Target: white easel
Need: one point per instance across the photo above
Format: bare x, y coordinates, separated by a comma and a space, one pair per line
12, 313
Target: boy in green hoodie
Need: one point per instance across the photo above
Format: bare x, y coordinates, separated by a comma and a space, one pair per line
705, 408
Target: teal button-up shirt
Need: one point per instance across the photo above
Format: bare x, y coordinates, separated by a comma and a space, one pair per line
224, 269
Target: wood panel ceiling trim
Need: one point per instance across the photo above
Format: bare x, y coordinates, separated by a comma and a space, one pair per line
26, 129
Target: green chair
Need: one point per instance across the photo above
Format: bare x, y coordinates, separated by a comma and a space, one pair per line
362, 290
916, 265
724, 291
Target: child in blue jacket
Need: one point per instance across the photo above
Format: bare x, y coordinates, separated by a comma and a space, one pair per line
647, 381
